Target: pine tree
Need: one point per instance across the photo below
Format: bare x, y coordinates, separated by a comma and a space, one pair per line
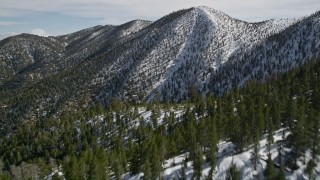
135, 161
179, 138
275, 112
203, 134
270, 134
104, 166
213, 145
309, 169
232, 125
233, 173
260, 116
290, 114
72, 171
314, 135
282, 174
147, 170
220, 120
183, 175
197, 163
210, 174
84, 164
255, 154
298, 138
135, 112
236, 136
95, 170
191, 137
155, 114
156, 163
117, 165
270, 172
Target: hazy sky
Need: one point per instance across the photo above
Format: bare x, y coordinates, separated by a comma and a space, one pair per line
53, 17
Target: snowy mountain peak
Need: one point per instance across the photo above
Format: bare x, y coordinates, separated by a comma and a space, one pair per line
205, 8
198, 48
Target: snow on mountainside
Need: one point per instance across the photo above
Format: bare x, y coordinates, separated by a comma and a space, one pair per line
213, 39
199, 48
22, 52
226, 154
66, 51
188, 49
172, 168
281, 52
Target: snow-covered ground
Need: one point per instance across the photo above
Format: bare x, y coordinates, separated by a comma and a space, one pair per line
172, 167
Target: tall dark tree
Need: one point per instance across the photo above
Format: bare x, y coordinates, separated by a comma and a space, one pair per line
282, 174
233, 173
270, 172
198, 162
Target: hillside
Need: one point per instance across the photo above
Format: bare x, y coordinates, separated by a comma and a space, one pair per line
113, 102
197, 48
256, 127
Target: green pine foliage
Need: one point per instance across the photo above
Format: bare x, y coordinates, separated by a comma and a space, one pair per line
104, 143
233, 173
270, 172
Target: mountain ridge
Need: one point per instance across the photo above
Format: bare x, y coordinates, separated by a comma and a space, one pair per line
197, 48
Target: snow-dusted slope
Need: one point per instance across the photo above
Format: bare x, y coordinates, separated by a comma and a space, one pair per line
197, 48
281, 52
21, 53
172, 168
182, 50
40, 57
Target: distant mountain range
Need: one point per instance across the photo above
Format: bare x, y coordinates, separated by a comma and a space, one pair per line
192, 49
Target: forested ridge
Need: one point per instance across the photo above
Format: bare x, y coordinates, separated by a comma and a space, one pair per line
197, 48
107, 142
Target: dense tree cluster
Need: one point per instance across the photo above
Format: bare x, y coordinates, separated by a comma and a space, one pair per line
105, 143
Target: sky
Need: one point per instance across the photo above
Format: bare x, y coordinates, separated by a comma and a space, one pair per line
57, 17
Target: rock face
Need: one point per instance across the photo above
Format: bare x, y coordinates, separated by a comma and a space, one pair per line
197, 48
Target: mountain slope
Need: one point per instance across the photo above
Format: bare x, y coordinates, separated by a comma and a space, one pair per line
179, 53
24, 52
181, 139
193, 49
281, 52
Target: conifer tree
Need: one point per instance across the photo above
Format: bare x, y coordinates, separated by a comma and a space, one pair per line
183, 175
72, 171
197, 163
298, 138
156, 163
255, 153
290, 114
309, 169
203, 134
230, 115
314, 135
282, 174
233, 173
147, 170
213, 145
236, 136
116, 165
220, 120
95, 170
155, 114
191, 137
275, 112
270, 172
135, 161
260, 116
270, 134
